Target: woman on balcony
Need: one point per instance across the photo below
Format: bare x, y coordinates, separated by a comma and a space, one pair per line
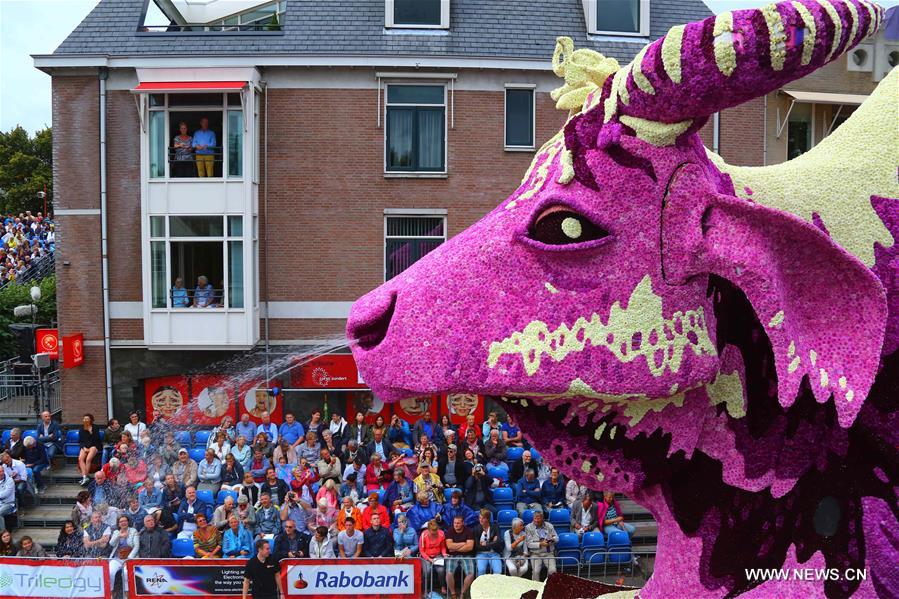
183, 157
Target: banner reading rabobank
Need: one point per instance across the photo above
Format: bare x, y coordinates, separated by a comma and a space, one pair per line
54, 579
386, 578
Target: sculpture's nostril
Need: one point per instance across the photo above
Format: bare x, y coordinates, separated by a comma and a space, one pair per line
370, 330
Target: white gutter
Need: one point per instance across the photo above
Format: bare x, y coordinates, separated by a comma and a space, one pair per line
716, 133
51, 61
107, 358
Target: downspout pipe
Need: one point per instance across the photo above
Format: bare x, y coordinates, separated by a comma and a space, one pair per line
104, 253
268, 301
716, 133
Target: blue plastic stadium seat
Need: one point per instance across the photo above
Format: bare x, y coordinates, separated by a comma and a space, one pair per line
406, 452
316, 487
505, 517
618, 538
103, 435
513, 454
201, 438
197, 454
593, 540
30, 433
206, 497
503, 497
71, 436
5, 437
594, 557
619, 555
447, 493
182, 548
72, 450
527, 516
569, 549
560, 518
220, 498
183, 439
500, 472
535, 455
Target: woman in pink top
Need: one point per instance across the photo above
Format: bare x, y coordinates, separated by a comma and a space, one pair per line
432, 547
328, 491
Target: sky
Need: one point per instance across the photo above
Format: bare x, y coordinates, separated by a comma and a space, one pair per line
38, 26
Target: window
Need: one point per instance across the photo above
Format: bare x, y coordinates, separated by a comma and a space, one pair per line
417, 14
196, 135
416, 128
519, 117
268, 16
188, 258
799, 130
408, 238
618, 17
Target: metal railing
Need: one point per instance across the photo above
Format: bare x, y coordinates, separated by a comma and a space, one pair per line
217, 28
26, 395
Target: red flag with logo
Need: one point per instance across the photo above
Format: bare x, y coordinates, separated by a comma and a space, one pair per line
46, 341
73, 350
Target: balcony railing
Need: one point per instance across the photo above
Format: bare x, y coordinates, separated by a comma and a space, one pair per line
215, 28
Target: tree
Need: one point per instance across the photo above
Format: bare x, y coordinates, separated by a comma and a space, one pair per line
26, 168
13, 295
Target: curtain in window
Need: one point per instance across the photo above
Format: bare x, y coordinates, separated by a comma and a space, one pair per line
159, 277
430, 139
235, 274
399, 138
157, 144
235, 143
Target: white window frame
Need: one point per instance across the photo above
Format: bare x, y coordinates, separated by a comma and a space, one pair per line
390, 24
224, 239
519, 86
222, 108
590, 14
409, 213
420, 83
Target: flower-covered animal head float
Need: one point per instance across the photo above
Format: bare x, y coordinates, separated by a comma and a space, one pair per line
717, 342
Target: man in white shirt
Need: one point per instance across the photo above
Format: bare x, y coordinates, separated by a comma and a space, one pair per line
16, 470
7, 497
269, 428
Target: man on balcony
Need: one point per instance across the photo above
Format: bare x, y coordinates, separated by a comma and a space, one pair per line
204, 146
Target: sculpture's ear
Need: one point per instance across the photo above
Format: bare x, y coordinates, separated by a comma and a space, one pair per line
823, 310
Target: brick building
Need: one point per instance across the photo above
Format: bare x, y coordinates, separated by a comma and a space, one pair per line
352, 137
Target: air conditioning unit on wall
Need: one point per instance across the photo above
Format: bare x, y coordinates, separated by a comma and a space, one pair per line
886, 60
861, 58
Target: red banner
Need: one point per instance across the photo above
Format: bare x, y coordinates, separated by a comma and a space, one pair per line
213, 397
185, 578
368, 404
460, 405
254, 399
73, 350
46, 341
332, 371
413, 408
167, 396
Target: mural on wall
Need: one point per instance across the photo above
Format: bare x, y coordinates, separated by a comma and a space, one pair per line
719, 343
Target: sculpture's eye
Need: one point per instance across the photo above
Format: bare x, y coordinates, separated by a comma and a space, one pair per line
559, 225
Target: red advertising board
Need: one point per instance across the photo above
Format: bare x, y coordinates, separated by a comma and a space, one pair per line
73, 350
214, 396
54, 578
185, 579
254, 398
383, 578
460, 405
331, 371
413, 408
167, 396
46, 341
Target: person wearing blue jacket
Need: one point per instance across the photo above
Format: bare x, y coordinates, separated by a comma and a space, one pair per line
49, 434
237, 541
553, 490
455, 507
191, 506
421, 512
529, 493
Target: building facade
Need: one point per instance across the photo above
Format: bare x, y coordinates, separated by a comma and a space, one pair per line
350, 138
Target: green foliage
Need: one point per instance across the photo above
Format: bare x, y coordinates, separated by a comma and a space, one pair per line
18, 295
26, 168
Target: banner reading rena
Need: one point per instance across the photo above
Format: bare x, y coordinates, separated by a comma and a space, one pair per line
185, 579
384, 578
54, 579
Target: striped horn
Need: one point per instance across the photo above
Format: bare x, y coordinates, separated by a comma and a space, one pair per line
700, 68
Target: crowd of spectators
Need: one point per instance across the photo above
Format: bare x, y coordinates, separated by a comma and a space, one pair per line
323, 489
25, 240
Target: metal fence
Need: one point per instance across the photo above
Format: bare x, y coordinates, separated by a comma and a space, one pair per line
40, 268
27, 394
